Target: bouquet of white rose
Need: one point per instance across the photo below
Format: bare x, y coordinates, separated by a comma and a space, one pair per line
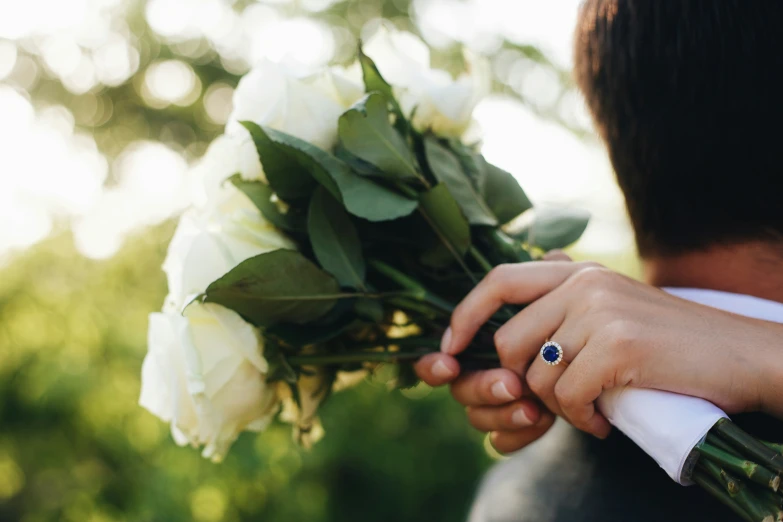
366, 220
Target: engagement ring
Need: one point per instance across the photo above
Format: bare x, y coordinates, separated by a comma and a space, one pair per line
552, 353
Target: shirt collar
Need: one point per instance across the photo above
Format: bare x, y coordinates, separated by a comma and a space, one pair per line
740, 304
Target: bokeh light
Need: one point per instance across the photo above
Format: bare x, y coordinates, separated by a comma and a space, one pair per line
171, 81
7, 58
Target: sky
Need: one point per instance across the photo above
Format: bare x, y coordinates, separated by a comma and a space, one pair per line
83, 44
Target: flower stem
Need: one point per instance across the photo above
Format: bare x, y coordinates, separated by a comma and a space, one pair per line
775, 447
712, 487
746, 444
714, 440
417, 291
367, 352
479, 258
737, 491
751, 470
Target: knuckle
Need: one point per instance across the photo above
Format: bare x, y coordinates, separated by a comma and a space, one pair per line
564, 395
580, 424
536, 382
499, 275
592, 277
475, 420
591, 264
503, 343
455, 390
619, 334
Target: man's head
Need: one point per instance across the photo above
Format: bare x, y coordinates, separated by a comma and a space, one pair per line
688, 96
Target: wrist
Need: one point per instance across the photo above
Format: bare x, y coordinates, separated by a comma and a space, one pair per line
767, 369
772, 393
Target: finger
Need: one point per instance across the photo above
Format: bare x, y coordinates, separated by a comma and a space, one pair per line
506, 284
579, 387
541, 378
520, 339
519, 414
437, 369
508, 441
556, 255
488, 387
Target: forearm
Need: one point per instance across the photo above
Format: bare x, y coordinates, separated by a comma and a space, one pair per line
768, 366
772, 400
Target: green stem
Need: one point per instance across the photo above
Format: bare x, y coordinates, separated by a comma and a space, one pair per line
749, 445
505, 247
714, 440
477, 256
485, 265
454, 252
737, 491
405, 189
414, 305
423, 347
713, 488
751, 470
418, 291
774, 446
771, 498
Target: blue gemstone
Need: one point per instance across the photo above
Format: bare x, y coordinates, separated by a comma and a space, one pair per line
550, 353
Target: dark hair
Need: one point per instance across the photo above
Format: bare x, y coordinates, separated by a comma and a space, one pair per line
688, 96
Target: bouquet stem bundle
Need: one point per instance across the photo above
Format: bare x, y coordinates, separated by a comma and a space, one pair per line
741, 472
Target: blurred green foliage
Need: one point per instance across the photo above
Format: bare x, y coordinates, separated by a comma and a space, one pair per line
75, 446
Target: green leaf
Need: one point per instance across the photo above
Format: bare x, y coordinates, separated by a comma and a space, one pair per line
444, 216
287, 174
368, 308
367, 199
303, 335
503, 194
261, 195
365, 132
446, 168
472, 163
358, 165
290, 154
335, 240
279, 286
556, 228
373, 81
361, 197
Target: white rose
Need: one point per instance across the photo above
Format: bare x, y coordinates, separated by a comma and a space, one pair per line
205, 373
304, 105
227, 155
212, 240
442, 104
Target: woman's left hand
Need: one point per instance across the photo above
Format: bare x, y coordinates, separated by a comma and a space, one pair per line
613, 331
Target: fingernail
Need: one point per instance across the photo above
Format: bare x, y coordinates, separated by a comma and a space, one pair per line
441, 371
600, 428
445, 342
520, 418
500, 391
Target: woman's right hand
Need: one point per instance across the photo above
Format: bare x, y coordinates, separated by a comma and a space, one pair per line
497, 400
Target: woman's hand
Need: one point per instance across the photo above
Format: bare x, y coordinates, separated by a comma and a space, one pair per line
496, 401
614, 332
